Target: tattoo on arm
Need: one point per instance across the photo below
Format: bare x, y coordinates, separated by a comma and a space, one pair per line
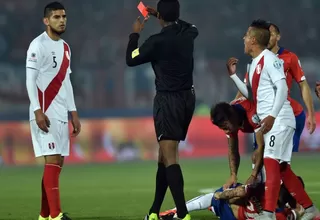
234, 156
239, 192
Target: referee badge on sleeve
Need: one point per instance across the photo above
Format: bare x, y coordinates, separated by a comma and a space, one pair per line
135, 53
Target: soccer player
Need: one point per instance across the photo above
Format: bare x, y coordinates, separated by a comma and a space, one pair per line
293, 71
171, 55
239, 115
51, 98
240, 202
266, 86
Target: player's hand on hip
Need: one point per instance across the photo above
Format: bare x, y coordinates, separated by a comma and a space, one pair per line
42, 120
76, 125
232, 65
232, 181
311, 123
267, 124
317, 89
138, 25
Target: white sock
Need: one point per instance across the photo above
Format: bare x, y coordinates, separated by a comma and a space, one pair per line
311, 209
268, 214
200, 202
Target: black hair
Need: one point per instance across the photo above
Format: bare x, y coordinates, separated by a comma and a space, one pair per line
169, 10
262, 32
275, 27
53, 6
285, 196
220, 113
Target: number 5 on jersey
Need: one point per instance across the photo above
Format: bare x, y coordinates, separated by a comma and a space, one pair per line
54, 62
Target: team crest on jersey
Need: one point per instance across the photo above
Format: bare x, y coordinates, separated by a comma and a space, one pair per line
33, 57
258, 69
67, 55
277, 64
255, 119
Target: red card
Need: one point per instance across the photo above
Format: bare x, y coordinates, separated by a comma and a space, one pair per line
143, 9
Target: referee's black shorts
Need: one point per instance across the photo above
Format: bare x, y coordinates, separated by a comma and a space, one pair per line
172, 114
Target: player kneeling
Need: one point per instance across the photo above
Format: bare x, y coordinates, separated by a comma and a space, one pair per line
242, 202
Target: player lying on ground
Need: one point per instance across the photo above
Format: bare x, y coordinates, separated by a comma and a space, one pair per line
241, 202
240, 115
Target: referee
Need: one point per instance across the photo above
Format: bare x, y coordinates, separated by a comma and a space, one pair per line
171, 55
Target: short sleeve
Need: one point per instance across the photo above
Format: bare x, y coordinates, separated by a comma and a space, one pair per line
296, 69
246, 76
275, 69
34, 56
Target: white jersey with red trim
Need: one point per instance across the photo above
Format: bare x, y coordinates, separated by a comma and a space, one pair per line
52, 60
265, 70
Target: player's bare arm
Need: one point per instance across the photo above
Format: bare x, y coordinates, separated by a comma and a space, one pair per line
257, 158
317, 89
234, 160
238, 95
300, 78
232, 67
238, 192
307, 99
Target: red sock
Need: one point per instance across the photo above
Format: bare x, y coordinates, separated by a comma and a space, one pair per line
294, 186
272, 185
45, 211
51, 184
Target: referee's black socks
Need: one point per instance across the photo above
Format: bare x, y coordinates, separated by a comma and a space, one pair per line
176, 184
161, 188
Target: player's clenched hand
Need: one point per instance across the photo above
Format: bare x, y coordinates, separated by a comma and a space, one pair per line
138, 25
311, 123
42, 120
266, 124
232, 65
232, 181
76, 124
317, 89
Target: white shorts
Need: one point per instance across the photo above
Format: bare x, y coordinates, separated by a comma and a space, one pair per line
279, 143
56, 141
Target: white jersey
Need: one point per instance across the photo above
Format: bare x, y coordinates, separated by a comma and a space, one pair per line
52, 60
263, 73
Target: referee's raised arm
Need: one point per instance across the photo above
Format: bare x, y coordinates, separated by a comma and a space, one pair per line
170, 53
136, 56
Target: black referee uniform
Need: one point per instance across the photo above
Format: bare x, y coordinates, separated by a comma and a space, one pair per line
171, 55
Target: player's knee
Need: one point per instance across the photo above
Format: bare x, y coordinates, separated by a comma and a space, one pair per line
54, 159
169, 152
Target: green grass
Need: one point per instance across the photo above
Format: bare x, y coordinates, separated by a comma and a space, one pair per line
125, 190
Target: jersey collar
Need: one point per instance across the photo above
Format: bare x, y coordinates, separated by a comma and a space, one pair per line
280, 51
